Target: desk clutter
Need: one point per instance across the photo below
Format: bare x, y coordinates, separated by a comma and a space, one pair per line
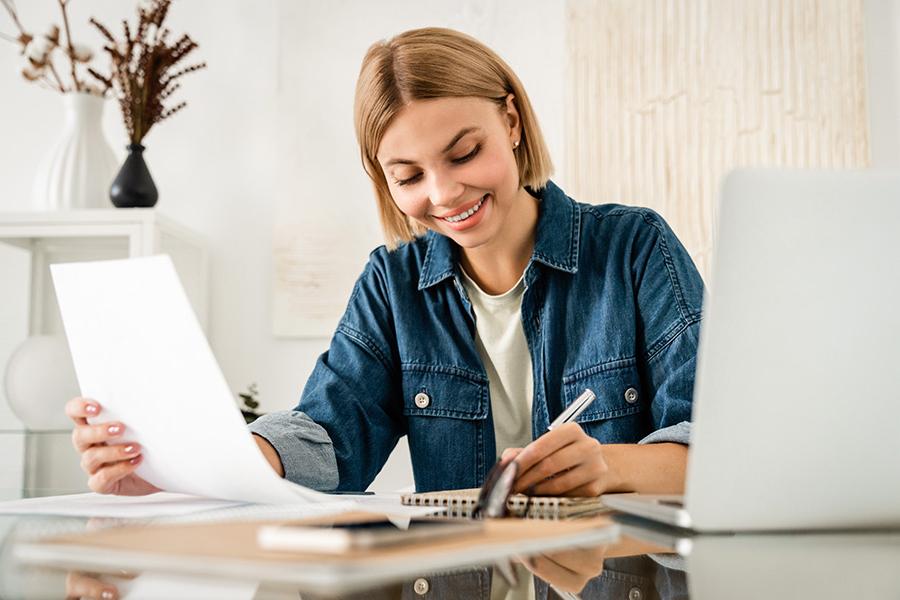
232, 549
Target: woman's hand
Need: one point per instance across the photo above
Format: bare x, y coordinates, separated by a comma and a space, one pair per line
569, 462
106, 457
89, 585
568, 570
562, 462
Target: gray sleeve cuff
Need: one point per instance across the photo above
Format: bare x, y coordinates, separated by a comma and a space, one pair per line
304, 447
680, 433
674, 562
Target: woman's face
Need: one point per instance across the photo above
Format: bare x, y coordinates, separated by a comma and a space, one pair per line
449, 164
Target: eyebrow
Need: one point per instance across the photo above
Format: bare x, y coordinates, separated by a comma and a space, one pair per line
462, 132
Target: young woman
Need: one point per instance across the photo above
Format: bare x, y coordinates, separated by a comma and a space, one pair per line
497, 301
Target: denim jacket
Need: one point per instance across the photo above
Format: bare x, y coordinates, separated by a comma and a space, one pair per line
612, 303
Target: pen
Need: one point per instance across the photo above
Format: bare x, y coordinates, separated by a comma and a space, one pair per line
573, 410
498, 486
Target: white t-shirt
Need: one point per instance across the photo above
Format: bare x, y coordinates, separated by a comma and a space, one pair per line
500, 339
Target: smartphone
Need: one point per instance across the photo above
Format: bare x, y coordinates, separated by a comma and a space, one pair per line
345, 537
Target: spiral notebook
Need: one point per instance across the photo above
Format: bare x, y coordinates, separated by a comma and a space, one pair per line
461, 503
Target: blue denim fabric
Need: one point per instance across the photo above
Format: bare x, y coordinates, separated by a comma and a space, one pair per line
613, 303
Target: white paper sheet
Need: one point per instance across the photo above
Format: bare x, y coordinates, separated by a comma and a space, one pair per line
162, 504
183, 507
139, 351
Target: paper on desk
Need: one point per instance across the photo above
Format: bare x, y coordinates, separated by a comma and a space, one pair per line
162, 504
139, 351
187, 508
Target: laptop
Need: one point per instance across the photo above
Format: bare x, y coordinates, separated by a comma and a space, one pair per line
796, 420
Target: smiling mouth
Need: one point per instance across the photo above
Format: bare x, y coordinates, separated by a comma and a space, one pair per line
467, 214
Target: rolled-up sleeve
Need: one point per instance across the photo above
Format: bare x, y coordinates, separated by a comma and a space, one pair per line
304, 447
680, 433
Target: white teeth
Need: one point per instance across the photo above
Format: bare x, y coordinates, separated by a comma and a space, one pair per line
467, 214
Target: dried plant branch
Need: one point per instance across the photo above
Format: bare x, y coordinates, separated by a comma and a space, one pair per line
11, 9
62, 88
106, 81
40, 51
143, 68
71, 50
103, 31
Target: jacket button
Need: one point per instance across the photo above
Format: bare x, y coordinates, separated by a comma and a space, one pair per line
631, 396
422, 401
635, 594
421, 586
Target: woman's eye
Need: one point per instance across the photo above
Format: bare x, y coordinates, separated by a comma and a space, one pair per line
458, 161
468, 156
408, 180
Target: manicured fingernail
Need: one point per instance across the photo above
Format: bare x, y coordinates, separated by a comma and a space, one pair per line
92, 409
114, 429
107, 595
129, 449
135, 460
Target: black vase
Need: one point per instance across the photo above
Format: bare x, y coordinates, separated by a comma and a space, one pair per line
133, 187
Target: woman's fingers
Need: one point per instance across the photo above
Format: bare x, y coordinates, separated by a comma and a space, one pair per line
569, 464
96, 457
85, 436
105, 480
510, 454
557, 574
586, 561
81, 585
547, 444
580, 481
109, 461
79, 409
564, 459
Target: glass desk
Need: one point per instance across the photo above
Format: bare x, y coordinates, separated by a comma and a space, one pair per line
641, 564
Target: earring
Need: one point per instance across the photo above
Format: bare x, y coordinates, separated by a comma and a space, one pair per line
515, 144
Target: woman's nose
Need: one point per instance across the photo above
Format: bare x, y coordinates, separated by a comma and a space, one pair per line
445, 191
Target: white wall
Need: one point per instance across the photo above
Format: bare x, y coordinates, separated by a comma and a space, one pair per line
883, 62
217, 164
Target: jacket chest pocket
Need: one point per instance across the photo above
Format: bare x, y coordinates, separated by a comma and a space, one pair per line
617, 415
446, 410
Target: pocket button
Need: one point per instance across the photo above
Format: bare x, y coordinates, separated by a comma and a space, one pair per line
422, 400
631, 395
421, 586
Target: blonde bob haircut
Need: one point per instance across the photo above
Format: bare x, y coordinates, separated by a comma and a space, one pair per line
435, 63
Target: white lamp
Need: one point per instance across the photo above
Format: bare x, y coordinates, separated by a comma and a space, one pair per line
40, 379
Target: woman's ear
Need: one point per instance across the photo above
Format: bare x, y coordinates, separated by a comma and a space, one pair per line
512, 120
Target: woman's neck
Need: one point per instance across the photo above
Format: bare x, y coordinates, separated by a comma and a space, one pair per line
498, 265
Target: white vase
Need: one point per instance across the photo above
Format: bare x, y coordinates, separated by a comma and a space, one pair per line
78, 171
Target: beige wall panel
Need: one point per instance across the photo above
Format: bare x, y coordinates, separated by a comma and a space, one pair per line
666, 96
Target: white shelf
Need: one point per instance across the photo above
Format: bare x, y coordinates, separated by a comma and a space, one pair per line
99, 234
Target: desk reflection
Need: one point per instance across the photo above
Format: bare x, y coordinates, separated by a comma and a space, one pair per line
576, 573
817, 566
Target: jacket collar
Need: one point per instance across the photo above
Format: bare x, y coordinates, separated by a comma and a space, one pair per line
555, 243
